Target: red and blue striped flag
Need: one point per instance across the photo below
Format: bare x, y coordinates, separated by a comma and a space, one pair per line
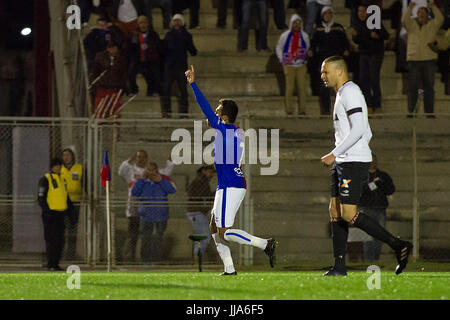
105, 173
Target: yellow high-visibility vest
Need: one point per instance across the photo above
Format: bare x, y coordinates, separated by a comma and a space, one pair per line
57, 194
73, 178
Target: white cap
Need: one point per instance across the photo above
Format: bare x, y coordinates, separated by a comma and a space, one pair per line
179, 17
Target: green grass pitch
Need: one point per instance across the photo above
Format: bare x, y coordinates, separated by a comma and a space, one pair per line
208, 285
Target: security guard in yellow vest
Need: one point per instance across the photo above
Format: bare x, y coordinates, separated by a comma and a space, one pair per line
73, 173
55, 204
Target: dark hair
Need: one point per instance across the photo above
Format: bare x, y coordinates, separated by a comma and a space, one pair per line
111, 44
339, 60
71, 153
206, 167
55, 162
102, 18
229, 109
152, 164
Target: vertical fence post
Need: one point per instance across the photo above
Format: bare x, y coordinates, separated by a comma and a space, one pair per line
113, 166
247, 221
415, 213
89, 182
95, 193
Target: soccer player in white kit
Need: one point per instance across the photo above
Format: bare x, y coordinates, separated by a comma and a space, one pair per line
350, 161
231, 186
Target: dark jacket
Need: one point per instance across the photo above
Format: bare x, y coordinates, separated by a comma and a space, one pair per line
97, 40
378, 197
326, 44
153, 53
200, 191
367, 44
176, 45
116, 76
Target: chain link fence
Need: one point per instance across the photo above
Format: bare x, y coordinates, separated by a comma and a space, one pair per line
27, 145
290, 205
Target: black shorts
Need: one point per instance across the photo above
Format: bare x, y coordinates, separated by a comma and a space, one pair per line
347, 181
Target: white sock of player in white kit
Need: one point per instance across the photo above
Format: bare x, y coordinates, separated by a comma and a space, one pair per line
242, 237
224, 253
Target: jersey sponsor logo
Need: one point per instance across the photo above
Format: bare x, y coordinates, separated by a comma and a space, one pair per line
239, 172
345, 183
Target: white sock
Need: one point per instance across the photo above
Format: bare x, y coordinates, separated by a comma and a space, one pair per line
242, 237
224, 253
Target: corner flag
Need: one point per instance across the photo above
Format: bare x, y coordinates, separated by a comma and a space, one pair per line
105, 173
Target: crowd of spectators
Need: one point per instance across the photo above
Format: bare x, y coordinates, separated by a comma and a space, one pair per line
162, 59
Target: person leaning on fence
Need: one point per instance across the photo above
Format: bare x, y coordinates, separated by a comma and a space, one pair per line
373, 203
200, 191
55, 203
152, 191
131, 170
72, 172
110, 83
420, 54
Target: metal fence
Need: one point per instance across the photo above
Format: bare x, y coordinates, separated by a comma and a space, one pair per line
291, 205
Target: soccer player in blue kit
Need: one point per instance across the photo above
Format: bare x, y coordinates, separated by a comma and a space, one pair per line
231, 186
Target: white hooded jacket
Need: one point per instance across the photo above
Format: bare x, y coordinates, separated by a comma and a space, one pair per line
283, 46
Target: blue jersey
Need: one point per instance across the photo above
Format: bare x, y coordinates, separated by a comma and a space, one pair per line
228, 146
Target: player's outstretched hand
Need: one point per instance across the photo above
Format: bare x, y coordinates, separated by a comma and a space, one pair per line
190, 74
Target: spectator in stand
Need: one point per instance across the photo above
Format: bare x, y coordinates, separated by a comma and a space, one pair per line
86, 9
145, 55
126, 13
131, 170
420, 55
166, 8
153, 187
176, 44
329, 39
292, 48
194, 7
279, 14
97, 40
371, 53
374, 203
114, 63
261, 34
200, 191
313, 9
222, 11
353, 6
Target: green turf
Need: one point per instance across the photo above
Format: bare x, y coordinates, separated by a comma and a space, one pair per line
207, 285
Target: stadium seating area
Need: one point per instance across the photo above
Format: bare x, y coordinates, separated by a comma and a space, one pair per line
293, 205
